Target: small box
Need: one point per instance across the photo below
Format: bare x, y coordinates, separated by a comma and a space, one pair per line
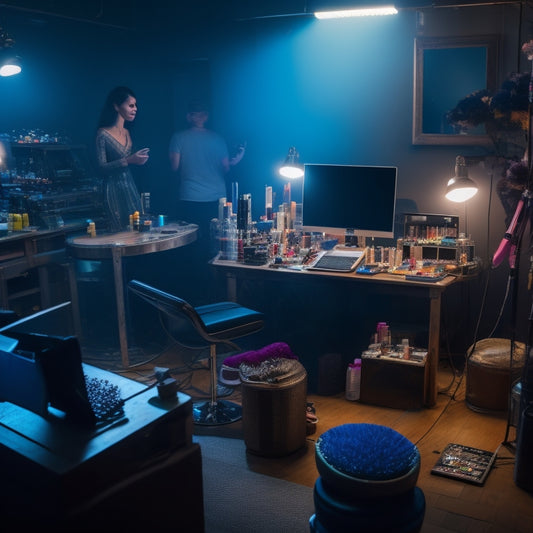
430, 228
394, 382
435, 238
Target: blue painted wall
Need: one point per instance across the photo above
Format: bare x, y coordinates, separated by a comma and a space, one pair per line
339, 91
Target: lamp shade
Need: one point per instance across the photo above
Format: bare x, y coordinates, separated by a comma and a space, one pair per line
9, 61
9, 64
291, 167
460, 188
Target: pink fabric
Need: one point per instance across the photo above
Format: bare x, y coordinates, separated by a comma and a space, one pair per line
256, 357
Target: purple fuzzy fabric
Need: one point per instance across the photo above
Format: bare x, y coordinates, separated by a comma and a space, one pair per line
256, 357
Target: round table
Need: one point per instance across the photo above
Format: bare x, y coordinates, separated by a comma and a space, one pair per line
115, 246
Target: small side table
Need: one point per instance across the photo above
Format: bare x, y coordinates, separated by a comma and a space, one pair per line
115, 246
393, 382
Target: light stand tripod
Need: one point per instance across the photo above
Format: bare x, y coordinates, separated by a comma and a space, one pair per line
510, 246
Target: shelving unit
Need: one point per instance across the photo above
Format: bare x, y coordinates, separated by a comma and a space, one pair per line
55, 185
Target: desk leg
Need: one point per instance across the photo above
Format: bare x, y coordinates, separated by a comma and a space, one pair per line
231, 288
44, 284
121, 311
74, 298
433, 346
4, 293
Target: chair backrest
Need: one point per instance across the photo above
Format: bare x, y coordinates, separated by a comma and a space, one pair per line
168, 303
185, 318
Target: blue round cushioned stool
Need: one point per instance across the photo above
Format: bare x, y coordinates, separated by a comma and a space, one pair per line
367, 482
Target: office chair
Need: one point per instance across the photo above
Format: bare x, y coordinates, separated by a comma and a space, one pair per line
201, 327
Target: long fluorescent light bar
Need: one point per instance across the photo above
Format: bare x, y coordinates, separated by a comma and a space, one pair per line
359, 12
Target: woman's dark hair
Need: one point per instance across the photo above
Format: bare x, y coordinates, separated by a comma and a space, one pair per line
115, 98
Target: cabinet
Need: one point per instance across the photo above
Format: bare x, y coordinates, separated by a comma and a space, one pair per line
35, 272
396, 383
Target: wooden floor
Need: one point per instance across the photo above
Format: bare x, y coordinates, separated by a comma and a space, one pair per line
452, 506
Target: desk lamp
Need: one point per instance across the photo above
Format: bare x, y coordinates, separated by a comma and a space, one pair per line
460, 188
291, 167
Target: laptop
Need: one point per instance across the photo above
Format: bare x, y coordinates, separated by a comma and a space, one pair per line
41, 370
336, 260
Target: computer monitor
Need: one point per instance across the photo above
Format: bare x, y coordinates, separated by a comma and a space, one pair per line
349, 199
43, 372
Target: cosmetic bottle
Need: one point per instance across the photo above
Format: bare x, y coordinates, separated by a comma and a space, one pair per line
353, 380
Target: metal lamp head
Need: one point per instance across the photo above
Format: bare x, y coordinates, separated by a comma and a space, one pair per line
460, 188
291, 167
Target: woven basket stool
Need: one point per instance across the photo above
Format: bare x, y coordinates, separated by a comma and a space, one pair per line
274, 396
367, 482
490, 375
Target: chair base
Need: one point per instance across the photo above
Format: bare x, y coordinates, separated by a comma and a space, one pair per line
207, 413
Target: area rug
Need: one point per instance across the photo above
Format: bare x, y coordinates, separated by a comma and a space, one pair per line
239, 500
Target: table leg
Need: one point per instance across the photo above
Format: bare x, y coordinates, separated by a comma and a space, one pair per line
4, 296
433, 346
121, 311
44, 285
231, 288
74, 298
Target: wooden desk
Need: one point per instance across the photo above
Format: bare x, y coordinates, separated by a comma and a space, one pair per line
23, 252
115, 246
391, 284
61, 475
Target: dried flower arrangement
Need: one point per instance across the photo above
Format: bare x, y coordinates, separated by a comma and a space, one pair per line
506, 117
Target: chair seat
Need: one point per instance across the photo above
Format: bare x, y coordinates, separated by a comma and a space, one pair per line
201, 327
229, 320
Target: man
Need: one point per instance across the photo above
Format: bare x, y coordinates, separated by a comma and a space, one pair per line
200, 158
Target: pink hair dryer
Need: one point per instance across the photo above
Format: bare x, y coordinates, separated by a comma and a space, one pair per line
504, 250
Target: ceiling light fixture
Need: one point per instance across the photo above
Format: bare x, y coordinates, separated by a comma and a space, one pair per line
9, 61
357, 12
9, 65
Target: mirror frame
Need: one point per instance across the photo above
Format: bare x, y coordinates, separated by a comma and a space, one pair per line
490, 42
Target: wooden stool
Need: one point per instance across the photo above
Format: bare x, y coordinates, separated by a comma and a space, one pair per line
274, 395
489, 373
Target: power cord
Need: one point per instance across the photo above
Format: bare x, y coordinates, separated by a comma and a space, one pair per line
450, 399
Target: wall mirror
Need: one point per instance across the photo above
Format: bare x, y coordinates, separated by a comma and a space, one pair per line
446, 70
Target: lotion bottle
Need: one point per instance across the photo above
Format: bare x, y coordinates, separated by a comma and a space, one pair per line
353, 380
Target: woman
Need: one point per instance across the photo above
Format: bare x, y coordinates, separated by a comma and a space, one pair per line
114, 155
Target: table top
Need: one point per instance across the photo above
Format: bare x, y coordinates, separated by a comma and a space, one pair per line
130, 243
33, 232
381, 278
